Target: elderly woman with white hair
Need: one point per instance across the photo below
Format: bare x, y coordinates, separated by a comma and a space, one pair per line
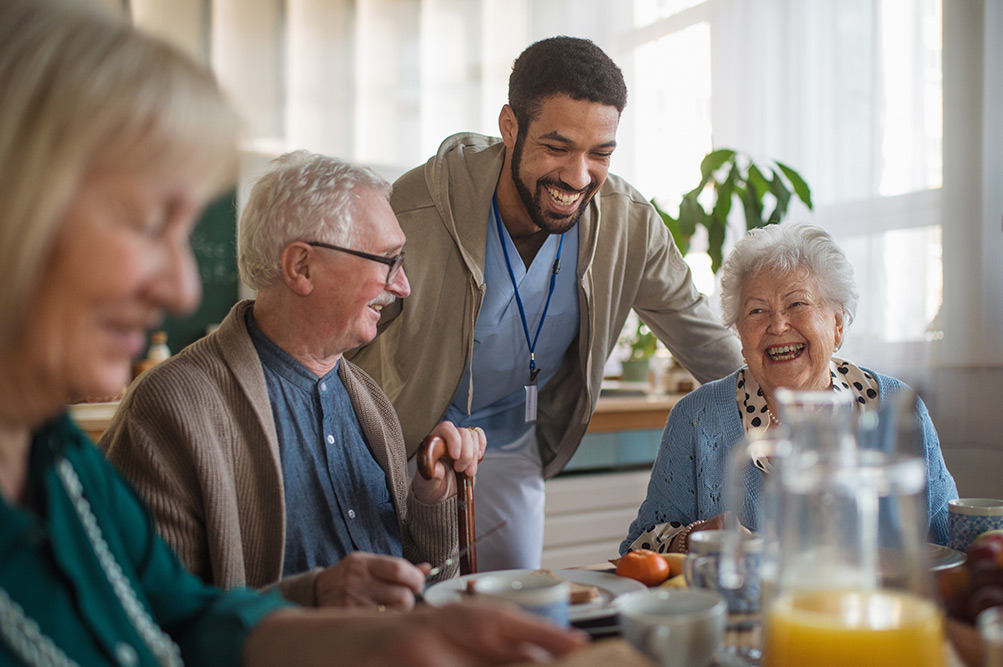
789, 293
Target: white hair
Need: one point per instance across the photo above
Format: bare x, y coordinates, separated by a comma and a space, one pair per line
782, 249
303, 197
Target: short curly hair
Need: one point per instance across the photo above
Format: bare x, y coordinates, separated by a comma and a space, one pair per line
563, 65
782, 249
303, 197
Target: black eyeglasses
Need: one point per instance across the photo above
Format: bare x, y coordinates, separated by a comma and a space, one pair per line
393, 263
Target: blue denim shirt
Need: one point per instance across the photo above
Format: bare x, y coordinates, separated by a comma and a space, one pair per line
337, 500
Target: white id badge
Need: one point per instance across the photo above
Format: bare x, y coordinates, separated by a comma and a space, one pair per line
530, 403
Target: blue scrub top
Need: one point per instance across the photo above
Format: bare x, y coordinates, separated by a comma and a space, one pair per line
501, 355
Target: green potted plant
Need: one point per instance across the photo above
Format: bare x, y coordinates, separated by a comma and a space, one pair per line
642, 346
726, 174
763, 188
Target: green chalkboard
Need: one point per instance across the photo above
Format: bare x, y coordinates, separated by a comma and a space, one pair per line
214, 241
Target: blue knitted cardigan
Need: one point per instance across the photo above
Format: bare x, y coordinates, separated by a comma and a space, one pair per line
688, 477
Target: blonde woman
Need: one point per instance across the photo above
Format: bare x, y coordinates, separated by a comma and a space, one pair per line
110, 145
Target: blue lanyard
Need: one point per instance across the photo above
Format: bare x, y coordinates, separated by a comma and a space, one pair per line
533, 371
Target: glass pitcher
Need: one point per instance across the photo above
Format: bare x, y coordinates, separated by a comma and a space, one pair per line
845, 576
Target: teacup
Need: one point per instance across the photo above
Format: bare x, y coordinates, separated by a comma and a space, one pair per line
970, 517
677, 627
537, 592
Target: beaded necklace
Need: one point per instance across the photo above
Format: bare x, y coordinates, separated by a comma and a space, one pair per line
32, 646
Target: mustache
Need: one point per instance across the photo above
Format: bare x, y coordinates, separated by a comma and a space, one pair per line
564, 186
383, 300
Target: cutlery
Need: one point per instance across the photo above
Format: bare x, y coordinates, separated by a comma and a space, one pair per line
449, 561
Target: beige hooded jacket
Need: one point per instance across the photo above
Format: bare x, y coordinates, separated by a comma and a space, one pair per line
626, 259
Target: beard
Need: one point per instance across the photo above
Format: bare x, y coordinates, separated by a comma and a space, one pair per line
552, 224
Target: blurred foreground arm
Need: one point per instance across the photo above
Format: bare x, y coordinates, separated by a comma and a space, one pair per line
458, 634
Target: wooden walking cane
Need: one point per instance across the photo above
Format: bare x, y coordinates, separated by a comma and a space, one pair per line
430, 451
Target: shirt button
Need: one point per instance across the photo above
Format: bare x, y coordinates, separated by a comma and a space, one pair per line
126, 655
330, 439
323, 386
351, 514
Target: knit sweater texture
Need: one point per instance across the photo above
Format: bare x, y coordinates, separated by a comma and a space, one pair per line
196, 437
688, 478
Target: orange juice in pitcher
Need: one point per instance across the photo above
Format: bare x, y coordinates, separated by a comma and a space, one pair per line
854, 628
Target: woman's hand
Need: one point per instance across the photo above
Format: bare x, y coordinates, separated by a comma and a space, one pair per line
680, 543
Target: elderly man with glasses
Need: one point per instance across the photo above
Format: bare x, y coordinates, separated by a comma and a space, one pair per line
267, 459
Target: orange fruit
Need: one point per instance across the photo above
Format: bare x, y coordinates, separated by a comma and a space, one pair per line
645, 565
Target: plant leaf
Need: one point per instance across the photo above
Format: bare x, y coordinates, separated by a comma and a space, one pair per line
681, 239
779, 190
753, 208
801, 188
713, 161
691, 214
758, 182
775, 217
722, 207
715, 242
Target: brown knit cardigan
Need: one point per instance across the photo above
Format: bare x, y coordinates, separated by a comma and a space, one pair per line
195, 436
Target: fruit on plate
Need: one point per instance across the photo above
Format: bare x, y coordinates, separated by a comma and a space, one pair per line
675, 562
677, 581
644, 565
987, 547
978, 584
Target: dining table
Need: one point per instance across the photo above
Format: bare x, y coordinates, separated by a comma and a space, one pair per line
609, 648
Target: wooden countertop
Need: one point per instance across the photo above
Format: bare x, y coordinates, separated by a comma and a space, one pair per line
622, 413
613, 413
93, 418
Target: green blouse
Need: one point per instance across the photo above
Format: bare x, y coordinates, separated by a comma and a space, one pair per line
48, 566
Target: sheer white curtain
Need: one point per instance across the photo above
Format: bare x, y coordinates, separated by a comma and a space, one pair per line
850, 93
887, 120
892, 111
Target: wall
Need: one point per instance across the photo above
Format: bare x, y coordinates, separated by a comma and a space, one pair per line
215, 247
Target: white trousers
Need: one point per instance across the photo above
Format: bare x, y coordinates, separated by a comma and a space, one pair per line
510, 487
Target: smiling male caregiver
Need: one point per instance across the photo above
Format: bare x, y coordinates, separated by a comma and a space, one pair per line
525, 256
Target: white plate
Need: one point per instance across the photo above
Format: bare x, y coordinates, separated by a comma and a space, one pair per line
609, 585
942, 557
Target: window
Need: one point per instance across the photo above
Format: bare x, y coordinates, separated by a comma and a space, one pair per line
849, 93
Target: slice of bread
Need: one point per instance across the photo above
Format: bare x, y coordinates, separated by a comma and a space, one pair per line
582, 593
